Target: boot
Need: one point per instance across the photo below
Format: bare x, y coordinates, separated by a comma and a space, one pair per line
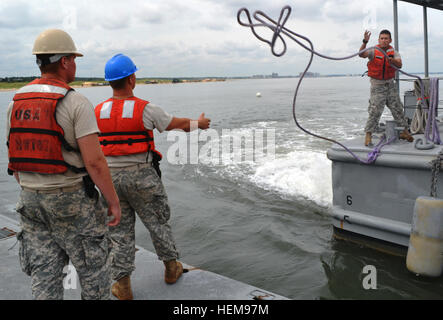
122, 289
406, 136
368, 139
174, 270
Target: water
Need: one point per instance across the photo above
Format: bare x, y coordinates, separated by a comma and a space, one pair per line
266, 223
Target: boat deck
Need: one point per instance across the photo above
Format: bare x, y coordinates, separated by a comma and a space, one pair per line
147, 279
389, 154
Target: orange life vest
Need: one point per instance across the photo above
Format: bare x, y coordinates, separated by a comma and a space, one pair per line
35, 138
379, 67
122, 131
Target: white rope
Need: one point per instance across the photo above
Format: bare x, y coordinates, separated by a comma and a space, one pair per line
419, 120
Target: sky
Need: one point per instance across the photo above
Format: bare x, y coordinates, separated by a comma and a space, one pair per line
202, 38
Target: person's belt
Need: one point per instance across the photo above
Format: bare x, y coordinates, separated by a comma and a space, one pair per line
135, 167
72, 188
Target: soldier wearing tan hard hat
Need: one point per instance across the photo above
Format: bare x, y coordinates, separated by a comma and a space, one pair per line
55, 155
53, 44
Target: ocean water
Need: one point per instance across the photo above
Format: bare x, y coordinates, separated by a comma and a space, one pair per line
264, 221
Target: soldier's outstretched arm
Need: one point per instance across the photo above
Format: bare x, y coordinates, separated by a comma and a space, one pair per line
185, 123
97, 168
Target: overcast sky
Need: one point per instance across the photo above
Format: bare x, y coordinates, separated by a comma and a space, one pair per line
168, 38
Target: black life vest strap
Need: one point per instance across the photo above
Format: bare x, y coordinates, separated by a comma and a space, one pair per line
128, 141
49, 161
128, 133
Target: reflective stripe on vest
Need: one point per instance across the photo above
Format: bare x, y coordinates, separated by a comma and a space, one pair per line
379, 67
35, 138
43, 88
122, 131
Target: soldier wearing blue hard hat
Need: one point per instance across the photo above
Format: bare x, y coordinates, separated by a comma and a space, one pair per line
119, 67
126, 124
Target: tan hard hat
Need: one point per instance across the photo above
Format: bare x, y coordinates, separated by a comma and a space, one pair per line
55, 41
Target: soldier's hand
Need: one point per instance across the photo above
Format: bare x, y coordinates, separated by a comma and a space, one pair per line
393, 62
367, 35
203, 123
115, 211
16, 177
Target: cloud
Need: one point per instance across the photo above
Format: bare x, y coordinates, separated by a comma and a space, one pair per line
19, 14
202, 37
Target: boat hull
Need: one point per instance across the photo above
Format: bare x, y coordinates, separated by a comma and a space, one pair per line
376, 201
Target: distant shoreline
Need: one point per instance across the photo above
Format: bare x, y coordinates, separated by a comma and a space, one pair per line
13, 86
5, 86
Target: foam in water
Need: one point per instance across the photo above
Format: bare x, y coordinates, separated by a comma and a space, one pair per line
304, 174
298, 173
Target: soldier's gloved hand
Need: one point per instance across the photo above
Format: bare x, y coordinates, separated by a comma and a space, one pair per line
116, 212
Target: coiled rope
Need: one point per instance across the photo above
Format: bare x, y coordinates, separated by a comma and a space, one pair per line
425, 116
432, 113
419, 119
278, 28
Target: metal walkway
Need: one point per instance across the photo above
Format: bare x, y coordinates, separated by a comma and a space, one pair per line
147, 279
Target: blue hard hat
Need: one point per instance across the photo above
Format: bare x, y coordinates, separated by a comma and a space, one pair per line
119, 67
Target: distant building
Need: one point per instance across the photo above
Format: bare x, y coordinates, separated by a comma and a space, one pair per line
268, 76
16, 79
310, 74
92, 84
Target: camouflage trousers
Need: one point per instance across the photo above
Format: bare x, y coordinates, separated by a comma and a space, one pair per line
60, 227
380, 95
140, 190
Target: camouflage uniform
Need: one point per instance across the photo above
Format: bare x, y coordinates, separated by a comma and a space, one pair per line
140, 190
60, 226
384, 92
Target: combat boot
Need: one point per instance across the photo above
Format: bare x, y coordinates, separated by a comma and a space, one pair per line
174, 270
122, 289
368, 139
406, 136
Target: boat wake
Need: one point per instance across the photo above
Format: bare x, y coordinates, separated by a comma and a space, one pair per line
304, 174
